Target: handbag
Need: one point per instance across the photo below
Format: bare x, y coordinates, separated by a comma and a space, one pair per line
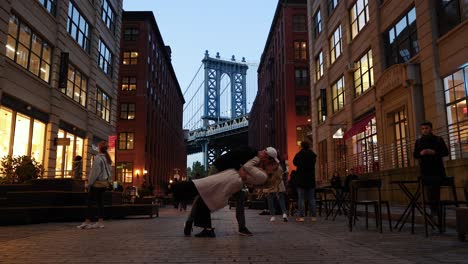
102, 183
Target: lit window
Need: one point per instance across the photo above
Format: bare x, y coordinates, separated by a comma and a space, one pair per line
103, 104
124, 171
300, 50
65, 155
366, 148
130, 57
456, 99
126, 141
319, 66
364, 74
338, 95
77, 85
28, 49
128, 83
359, 15
127, 111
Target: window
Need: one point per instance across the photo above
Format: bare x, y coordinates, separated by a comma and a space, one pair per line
321, 110
331, 6
451, 13
400, 153
130, 57
317, 24
78, 27
364, 74
127, 111
338, 95
335, 45
103, 104
49, 5
77, 85
28, 49
108, 15
303, 133
319, 66
301, 77
302, 106
105, 58
323, 160
299, 23
300, 50
65, 155
366, 148
402, 39
359, 15
128, 83
131, 34
124, 172
456, 99
126, 140
28, 135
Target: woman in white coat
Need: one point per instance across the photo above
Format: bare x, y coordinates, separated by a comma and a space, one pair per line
212, 193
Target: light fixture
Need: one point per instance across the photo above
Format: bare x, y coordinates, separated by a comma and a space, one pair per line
137, 172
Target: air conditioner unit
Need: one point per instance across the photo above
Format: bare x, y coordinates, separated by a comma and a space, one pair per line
350, 67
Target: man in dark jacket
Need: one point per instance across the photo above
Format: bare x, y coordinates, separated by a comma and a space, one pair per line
429, 150
234, 159
305, 180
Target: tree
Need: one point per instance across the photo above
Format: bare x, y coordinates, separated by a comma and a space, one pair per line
19, 169
197, 168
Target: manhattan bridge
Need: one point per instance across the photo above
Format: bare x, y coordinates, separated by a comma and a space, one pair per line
218, 100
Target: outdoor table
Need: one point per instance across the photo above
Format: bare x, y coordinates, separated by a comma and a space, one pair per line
412, 205
339, 203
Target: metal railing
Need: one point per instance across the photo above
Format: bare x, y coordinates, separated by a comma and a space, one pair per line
396, 155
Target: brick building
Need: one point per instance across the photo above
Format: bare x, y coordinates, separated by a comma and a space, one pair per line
379, 68
150, 138
280, 112
58, 69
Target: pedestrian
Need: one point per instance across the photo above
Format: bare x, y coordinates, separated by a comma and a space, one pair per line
213, 192
99, 181
276, 190
234, 159
429, 149
77, 167
305, 180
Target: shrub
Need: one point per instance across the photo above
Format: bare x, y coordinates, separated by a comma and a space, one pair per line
19, 169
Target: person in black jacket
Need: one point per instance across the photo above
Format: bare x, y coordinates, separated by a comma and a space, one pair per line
429, 150
305, 180
234, 159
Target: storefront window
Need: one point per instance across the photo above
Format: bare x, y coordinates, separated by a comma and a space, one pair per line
26, 140
37, 144
66, 154
5, 131
366, 148
21, 135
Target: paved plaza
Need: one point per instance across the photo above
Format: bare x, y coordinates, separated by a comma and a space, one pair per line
161, 240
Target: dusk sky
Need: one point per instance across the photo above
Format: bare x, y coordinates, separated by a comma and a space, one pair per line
190, 27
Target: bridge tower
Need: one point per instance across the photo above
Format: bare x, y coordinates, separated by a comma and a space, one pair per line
214, 69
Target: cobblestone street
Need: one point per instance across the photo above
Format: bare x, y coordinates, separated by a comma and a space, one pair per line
161, 240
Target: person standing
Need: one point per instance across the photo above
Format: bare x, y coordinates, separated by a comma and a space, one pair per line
429, 149
305, 180
98, 181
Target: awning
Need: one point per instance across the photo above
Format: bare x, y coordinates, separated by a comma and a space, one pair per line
358, 127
